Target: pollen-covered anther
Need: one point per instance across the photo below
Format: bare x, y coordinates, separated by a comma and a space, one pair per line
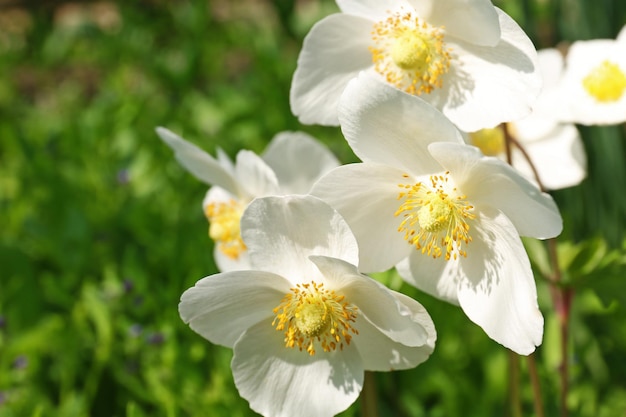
224, 227
435, 217
410, 53
312, 316
606, 83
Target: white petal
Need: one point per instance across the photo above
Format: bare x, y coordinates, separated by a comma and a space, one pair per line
474, 21
199, 163
436, 277
282, 232
488, 181
283, 382
490, 85
366, 195
334, 51
559, 158
222, 306
226, 263
385, 125
298, 161
496, 286
375, 302
254, 175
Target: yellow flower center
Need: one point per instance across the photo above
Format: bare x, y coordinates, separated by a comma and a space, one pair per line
435, 217
410, 53
489, 141
606, 82
224, 228
312, 316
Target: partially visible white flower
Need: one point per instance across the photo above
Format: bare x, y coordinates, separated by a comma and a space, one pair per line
304, 324
594, 83
467, 58
447, 216
555, 149
291, 163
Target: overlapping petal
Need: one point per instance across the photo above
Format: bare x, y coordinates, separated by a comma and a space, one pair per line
298, 160
333, 53
282, 382
281, 232
254, 175
490, 182
366, 195
223, 306
385, 125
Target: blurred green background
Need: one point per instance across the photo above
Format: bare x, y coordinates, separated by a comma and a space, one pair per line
101, 230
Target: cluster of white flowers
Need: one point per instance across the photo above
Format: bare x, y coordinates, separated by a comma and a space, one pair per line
410, 83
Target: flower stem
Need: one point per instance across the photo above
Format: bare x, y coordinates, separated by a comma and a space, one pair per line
514, 391
534, 379
369, 401
561, 295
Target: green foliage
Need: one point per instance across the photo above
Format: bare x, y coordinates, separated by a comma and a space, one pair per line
102, 231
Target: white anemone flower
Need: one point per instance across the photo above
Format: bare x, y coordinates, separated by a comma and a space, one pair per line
594, 83
467, 58
448, 217
554, 148
303, 323
290, 164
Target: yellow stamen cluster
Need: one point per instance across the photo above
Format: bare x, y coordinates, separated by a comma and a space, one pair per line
224, 228
435, 217
606, 83
410, 53
310, 315
490, 141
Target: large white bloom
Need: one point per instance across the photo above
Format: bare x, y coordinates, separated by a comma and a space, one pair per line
555, 148
304, 323
448, 217
291, 163
467, 58
594, 83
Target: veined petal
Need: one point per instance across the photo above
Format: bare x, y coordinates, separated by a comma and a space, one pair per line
474, 21
199, 163
282, 232
385, 125
490, 85
496, 286
488, 181
436, 277
283, 382
254, 175
559, 158
375, 302
366, 195
226, 263
333, 53
298, 160
222, 306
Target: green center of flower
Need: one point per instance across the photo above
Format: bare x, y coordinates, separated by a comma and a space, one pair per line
410, 53
224, 228
606, 83
312, 316
490, 141
435, 217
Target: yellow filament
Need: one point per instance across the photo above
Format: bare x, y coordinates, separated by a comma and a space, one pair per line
224, 228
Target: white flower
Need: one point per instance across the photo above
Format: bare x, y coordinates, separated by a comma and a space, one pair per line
555, 149
304, 323
467, 58
594, 83
291, 163
448, 217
